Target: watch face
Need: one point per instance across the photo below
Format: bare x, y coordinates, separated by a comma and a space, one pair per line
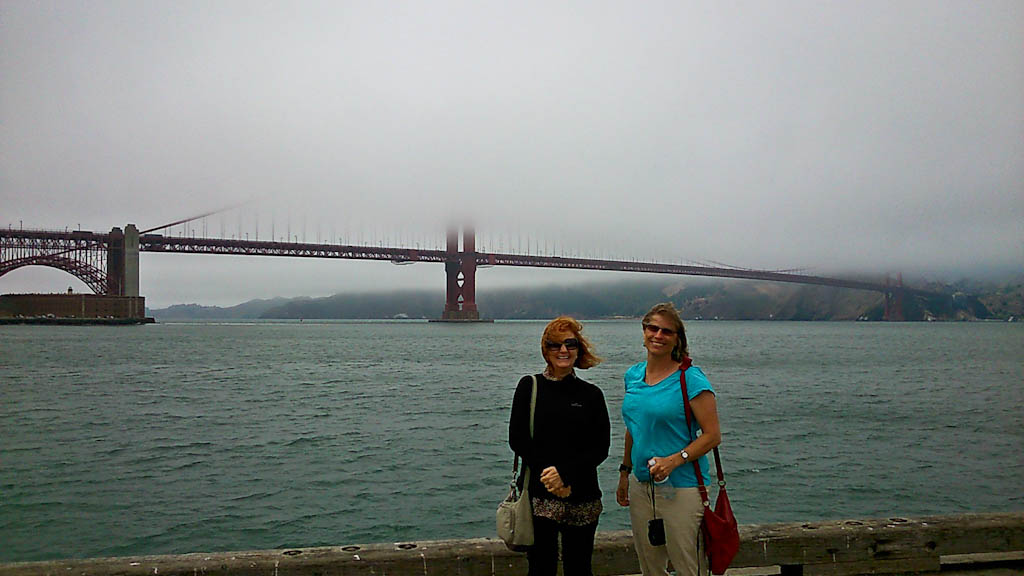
684, 455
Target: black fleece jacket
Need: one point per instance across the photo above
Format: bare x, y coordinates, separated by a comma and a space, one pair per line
571, 432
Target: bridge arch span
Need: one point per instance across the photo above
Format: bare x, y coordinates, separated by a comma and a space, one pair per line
92, 276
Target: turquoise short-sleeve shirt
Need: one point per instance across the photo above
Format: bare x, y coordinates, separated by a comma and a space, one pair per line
655, 417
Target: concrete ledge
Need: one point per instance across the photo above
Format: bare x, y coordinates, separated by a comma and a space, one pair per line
876, 546
43, 321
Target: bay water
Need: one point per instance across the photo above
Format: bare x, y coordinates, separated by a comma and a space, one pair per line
201, 437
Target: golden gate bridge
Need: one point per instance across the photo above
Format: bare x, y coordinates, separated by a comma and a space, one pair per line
108, 262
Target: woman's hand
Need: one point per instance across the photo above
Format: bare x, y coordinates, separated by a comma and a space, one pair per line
551, 479
664, 466
553, 482
622, 492
563, 492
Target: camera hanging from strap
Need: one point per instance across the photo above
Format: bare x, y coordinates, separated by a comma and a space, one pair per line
655, 526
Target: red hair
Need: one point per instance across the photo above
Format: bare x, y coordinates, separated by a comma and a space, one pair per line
586, 357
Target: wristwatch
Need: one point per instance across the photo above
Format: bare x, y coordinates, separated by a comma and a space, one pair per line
625, 468
685, 455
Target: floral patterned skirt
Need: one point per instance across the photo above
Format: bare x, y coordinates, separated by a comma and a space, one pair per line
570, 513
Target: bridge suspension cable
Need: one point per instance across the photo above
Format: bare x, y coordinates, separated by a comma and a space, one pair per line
197, 217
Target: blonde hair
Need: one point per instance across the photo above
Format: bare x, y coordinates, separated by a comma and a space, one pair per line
667, 310
586, 357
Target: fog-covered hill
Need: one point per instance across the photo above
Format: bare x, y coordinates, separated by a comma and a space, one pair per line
701, 298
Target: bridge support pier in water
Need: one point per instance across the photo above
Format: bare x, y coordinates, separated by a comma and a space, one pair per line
123, 262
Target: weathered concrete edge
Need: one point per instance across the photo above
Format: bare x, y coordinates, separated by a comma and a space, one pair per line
851, 542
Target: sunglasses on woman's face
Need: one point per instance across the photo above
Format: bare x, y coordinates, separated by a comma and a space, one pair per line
569, 343
654, 329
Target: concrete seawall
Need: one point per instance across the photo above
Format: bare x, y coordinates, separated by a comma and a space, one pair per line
990, 544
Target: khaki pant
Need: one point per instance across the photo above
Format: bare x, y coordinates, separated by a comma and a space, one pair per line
682, 511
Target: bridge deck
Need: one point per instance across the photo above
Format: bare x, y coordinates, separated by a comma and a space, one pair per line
48, 244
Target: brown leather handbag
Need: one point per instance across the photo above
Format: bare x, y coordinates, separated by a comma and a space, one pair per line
721, 533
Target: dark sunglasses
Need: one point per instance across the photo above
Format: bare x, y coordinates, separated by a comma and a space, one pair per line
569, 343
654, 329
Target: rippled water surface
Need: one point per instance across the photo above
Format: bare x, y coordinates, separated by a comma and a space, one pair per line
207, 437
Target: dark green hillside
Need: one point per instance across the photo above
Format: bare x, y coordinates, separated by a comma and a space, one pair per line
250, 309
414, 304
630, 299
698, 298
1006, 300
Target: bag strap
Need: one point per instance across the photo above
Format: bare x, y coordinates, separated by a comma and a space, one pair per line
686, 363
533, 402
533, 410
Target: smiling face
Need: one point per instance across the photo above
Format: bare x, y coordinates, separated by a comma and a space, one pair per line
577, 354
660, 335
561, 359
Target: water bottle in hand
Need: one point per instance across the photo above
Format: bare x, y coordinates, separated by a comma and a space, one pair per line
650, 463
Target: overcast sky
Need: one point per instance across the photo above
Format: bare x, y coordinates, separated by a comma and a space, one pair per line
833, 136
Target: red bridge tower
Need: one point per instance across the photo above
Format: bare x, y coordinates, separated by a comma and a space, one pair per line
460, 272
894, 299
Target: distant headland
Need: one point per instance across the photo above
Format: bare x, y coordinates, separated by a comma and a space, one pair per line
698, 300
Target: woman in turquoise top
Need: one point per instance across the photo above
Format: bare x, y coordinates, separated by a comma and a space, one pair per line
660, 448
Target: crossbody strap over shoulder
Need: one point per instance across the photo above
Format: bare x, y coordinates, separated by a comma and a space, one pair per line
533, 410
683, 366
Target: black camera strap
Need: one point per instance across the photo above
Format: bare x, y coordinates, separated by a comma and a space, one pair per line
654, 510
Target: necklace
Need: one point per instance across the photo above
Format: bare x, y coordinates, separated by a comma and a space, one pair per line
550, 376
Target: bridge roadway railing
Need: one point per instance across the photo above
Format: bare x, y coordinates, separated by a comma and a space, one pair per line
190, 245
958, 544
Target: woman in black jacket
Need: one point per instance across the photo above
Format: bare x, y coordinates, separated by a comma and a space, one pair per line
571, 438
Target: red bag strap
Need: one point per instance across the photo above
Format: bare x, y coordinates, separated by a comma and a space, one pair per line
683, 366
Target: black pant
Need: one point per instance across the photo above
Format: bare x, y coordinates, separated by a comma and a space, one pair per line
577, 548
